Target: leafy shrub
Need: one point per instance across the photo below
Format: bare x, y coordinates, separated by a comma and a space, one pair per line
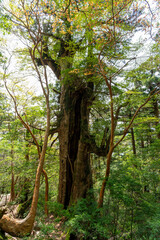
86, 221
150, 229
58, 210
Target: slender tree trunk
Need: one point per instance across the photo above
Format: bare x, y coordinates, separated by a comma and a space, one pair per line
101, 195
156, 114
133, 141
39, 149
12, 197
17, 227
142, 142
12, 192
27, 152
46, 192
22, 227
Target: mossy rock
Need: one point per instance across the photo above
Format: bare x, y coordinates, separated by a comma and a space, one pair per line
23, 208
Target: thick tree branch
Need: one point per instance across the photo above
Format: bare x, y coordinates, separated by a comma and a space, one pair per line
99, 151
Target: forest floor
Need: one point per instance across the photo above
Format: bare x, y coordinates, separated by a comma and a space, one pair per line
50, 229
44, 228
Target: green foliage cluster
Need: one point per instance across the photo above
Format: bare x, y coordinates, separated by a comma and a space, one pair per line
131, 208
58, 210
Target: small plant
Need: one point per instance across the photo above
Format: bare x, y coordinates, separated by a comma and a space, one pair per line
46, 229
58, 210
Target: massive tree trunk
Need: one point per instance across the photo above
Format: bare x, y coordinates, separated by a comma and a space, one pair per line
76, 97
75, 174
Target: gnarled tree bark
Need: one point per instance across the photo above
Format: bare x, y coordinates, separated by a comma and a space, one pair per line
75, 175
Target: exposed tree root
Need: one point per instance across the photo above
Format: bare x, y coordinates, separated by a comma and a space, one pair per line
16, 227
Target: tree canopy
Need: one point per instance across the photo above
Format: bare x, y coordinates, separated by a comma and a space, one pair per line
80, 86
